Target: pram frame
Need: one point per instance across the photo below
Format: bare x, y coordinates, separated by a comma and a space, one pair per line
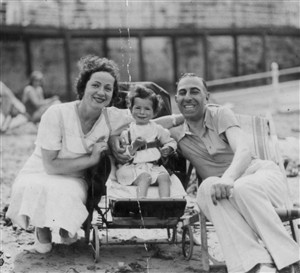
98, 217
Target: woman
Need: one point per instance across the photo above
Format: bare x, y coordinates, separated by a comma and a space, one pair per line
50, 190
33, 97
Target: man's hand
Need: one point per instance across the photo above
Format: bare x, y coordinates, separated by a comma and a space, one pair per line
221, 190
117, 147
165, 151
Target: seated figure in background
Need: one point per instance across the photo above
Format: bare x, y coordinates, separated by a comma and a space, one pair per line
11, 107
142, 140
33, 97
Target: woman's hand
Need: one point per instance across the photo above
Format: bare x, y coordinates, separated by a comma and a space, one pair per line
118, 148
221, 190
98, 149
165, 151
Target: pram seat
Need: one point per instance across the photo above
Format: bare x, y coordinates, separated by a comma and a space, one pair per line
152, 211
148, 213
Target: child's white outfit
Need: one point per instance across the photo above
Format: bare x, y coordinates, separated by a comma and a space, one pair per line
145, 160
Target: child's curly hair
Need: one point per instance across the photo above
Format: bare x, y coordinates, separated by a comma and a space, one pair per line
90, 64
145, 93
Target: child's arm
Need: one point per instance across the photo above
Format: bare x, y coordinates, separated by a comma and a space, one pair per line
169, 144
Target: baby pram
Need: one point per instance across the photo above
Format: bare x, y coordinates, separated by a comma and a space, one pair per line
119, 207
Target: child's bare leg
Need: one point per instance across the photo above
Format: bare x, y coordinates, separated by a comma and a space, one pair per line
164, 183
142, 182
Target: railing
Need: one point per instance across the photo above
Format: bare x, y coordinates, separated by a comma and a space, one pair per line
274, 74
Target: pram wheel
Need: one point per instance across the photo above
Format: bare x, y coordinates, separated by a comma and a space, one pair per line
96, 244
187, 242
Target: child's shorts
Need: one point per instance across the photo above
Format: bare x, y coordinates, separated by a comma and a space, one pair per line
127, 174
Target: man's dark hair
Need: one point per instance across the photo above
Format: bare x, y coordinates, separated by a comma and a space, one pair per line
186, 75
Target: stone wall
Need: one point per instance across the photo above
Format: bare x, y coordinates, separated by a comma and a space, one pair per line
153, 14
48, 54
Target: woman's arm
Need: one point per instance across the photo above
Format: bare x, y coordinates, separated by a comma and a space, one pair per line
55, 165
118, 148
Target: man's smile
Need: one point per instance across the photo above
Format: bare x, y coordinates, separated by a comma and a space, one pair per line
189, 106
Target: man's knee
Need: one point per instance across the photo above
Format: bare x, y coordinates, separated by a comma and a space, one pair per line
204, 191
244, 188
206, 185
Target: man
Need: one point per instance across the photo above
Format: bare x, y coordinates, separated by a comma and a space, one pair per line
238, 193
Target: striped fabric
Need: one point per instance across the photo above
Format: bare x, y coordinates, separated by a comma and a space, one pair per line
261, 136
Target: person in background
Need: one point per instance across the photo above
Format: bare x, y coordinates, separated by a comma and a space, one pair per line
33, 97
11, 107
146, 142
239, 192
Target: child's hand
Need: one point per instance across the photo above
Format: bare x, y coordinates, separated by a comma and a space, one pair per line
136, 144
165, 151
139, 142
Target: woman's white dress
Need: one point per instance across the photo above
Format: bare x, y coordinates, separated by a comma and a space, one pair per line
58, 201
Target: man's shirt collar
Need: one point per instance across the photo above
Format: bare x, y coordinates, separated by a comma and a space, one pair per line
208, 119
207, 124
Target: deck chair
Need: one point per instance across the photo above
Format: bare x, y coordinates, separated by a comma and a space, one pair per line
261, 133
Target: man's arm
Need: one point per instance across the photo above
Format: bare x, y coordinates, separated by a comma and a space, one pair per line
170, 121
242, 153
240, 162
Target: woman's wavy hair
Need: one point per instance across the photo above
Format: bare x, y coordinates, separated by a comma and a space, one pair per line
145, 93
90, 64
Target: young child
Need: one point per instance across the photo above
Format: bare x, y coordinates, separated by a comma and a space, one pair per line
141, 140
